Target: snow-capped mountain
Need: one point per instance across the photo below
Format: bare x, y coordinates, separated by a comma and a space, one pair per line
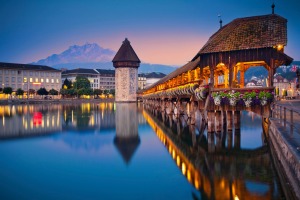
79, 54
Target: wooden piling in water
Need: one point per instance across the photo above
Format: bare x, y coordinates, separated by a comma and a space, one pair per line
229, 120
211, 122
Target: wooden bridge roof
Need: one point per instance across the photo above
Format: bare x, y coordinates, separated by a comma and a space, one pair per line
189, 66
248, 33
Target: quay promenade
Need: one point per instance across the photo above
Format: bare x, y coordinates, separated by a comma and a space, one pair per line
284, 140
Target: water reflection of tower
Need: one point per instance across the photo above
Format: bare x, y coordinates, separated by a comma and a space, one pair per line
127, 138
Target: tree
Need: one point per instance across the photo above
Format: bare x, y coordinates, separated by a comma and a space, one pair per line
31, 91
113, 92
53, 92
19, 92
41, 91
67, 84
97, 92
7, 90
63, 92
106, 93
82, 83
88, 91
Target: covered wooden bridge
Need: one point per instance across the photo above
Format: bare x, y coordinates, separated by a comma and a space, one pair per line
214, 79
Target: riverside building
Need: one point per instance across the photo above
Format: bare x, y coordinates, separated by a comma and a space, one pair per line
27, 76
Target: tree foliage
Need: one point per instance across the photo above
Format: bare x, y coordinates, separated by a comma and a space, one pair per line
7, 90
82, 83
53, 92
42, 91
31, 91
19, 92
98, 92
67, 84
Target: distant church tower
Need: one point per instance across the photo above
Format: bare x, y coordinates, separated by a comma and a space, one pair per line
126, 63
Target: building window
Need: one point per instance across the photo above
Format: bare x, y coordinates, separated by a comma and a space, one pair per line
19, 80
36, 80
13, 72
36, 73
6, 72
24, 73
19, 72
6, 79
30, 80
42, 73
30, 73
13, 86
52, 80
57, 81
0, 79
42, 80
13, 79
0, 72
25, 79
47, 80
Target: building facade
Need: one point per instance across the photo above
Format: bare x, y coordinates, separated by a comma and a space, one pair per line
91, 74
141, 81
107, 79
27, 77
99, 78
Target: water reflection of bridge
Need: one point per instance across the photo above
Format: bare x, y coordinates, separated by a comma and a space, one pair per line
226, 173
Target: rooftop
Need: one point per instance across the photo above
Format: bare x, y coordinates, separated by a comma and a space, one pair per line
248, 33
80, 71
126, 53
4, 65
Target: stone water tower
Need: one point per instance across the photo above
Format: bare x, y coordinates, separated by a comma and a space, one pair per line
126, 63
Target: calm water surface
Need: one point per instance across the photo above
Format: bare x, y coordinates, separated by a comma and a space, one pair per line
121, 151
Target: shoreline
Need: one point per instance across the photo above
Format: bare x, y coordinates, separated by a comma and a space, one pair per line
45, 101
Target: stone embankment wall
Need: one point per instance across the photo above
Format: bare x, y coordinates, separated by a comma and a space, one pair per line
287, 159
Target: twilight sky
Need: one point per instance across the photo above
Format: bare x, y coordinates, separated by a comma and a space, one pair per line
161, 31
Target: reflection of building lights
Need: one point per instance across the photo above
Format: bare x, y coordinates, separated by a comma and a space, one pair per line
178, 161
236, 197
183, 168
173, 154
222, 184
197, 184
189, 177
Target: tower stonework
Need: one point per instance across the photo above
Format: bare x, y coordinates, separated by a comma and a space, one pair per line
126, 63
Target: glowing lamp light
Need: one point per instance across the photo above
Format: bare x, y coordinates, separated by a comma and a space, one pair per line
36, 83
279, 47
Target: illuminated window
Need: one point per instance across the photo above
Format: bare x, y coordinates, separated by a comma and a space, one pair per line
30, 80
57, 81
42, 80
36, 80
25, 80
47, 80
52, 80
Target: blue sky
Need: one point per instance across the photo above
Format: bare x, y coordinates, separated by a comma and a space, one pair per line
161, 31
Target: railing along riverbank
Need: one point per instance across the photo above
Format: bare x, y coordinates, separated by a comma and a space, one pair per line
284, 140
